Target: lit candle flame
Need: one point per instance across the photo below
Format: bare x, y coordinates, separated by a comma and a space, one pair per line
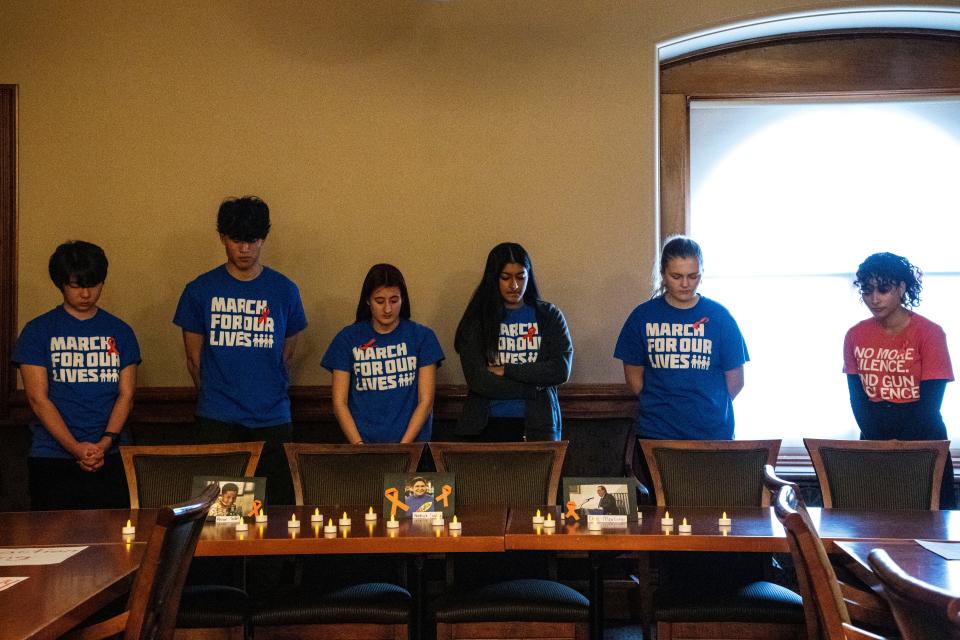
128, 523
724, 515
666, 516
684, 522
293, 518
538, 513
549, 516
455, 517
371, 510
344, 515
330, 522
316, 511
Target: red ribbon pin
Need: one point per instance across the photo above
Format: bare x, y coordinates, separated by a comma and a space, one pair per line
532, 331
368, 344
112, 346
393, 495
263, 315
703, 320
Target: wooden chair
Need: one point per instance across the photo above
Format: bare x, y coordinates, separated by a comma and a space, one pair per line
827, 617
598, 447
162, 474
346, 474
922, 611
503, 474
717, 595
516, 474
352, 598
879, 474
152, 607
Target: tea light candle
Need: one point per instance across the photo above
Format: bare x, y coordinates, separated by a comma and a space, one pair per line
293, 523
370, 515
344, 520
667, 521
684, 527
438, 521
330, 528
128, 530
242, 526
594, 525
393, 523
724, 521
549, 522
317, 516
455, 525
261, 517
538, 518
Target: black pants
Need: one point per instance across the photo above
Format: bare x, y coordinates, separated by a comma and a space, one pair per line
273, 461
60, 483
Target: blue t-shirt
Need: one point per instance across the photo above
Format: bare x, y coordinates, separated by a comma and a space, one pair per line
519, 344
383, 371
685, 353
244, 324
83, 359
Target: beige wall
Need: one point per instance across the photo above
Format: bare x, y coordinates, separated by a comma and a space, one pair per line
417, 132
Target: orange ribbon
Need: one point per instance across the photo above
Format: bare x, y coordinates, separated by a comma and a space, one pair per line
444, 494
393, 495
256, 508
572, 511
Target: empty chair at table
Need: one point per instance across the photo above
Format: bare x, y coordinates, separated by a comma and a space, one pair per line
702, 595
152, 607
825, 610
163, 474
879, 474
478, 603
922, 611
349, 597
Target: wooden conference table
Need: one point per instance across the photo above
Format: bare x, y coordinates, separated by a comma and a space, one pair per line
484, 531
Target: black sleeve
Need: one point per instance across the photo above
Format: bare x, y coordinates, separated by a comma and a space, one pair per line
931, 397
552, 367
481, 381
860, 403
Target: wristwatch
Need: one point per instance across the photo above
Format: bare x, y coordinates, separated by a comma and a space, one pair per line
113, 435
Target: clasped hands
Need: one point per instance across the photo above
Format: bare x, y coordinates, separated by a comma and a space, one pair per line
89, 456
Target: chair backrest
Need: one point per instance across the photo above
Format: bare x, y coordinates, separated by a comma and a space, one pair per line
774, 483
155, 596
709, 473
921, 610
346, 474
599, 447
510, 474
824, 609
879, 474
163, 474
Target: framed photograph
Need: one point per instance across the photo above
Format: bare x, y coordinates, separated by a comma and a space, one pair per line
238, 496
602, 496
418, 495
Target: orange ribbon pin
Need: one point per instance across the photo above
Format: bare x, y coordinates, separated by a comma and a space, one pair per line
444, 495
393, 495
572, 511
256, 508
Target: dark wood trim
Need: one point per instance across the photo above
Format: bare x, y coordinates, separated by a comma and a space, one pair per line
159, 405
846, 63
8, 242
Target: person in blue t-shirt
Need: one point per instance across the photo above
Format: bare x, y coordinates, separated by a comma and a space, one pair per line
240, 325
79, 369
515, 351
384, 366
682, 354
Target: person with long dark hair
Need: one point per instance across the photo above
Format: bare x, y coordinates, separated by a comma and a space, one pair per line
682, 354
515, 350
384, 366
896, 361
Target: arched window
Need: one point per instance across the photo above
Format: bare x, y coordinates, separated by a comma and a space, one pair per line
785, 158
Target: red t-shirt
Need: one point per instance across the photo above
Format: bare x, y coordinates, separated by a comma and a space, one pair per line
891, 367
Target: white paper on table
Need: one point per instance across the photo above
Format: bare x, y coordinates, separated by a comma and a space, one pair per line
12, 557
948, 550
7, 582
